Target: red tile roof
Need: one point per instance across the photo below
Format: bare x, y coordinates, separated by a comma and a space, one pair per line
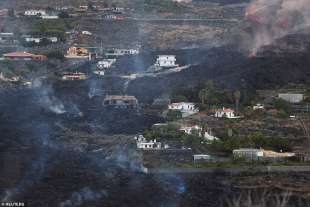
18, 54
225, 110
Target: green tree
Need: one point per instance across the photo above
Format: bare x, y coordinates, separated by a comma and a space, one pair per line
283, 105
203, 95
173, 115
179, 98
237, 96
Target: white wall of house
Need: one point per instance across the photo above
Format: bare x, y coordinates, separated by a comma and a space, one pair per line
106, 63
183, 107
225, 113
144, 144
166, 61
34, 12
39, 39
292, 97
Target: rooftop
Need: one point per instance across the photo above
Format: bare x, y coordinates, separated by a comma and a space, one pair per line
18, 54
119, 97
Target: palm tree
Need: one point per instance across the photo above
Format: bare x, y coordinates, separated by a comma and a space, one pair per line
203, 95
237, 96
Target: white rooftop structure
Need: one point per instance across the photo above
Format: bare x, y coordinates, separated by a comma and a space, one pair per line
186, 108
166, 61
105, 63
292, 97
39, 39
144, 144
33, 12
225, 113
258, 106
201, 157
191, 129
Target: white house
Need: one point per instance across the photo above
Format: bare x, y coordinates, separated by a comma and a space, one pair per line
248, 153
261, 154
105, 63
87, 33
292, 97
121, 52
186, 108
192, 129
201, 157
258, 106
33, 12
144, 144
225, 113
50, 17
165, 61
39, 39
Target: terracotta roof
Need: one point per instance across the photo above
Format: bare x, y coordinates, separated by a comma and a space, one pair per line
225, 110
18, 54
228, 110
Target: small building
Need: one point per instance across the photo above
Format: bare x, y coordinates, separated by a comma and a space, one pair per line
261, 154
50, 17
166, 61
73, 76
106, 63
24, 56
291, 97
144, 144
6, 79
198, 130
33, 12
87, 33
258, 107
191, 129
118, 101
78, 52
122, 52
201, 157
6, 37
186, 108
40, 39
225, 113
248, 153
4, 12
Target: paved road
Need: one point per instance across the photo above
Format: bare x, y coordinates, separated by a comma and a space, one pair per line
263, 169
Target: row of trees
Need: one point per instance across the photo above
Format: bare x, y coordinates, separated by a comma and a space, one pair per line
255, 140
211, 95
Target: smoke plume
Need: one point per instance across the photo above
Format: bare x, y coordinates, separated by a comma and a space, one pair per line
273, 19
46, 97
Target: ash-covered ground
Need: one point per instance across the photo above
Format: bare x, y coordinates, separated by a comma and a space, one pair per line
60, 147
57, 149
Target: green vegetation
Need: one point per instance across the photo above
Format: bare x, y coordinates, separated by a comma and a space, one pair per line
170, 132
56, 27
255, 140
284, 107
163, 6
210, 96
179, 98
174, 115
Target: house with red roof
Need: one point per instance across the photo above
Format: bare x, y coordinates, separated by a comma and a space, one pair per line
24, 56
225, 113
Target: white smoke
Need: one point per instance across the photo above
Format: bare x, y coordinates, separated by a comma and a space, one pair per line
83, 195
47, 99
273, 19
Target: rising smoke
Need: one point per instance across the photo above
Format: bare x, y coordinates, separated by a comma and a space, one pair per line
46, 97
273, 19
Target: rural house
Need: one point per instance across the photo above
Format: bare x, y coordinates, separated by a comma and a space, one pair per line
118, 101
